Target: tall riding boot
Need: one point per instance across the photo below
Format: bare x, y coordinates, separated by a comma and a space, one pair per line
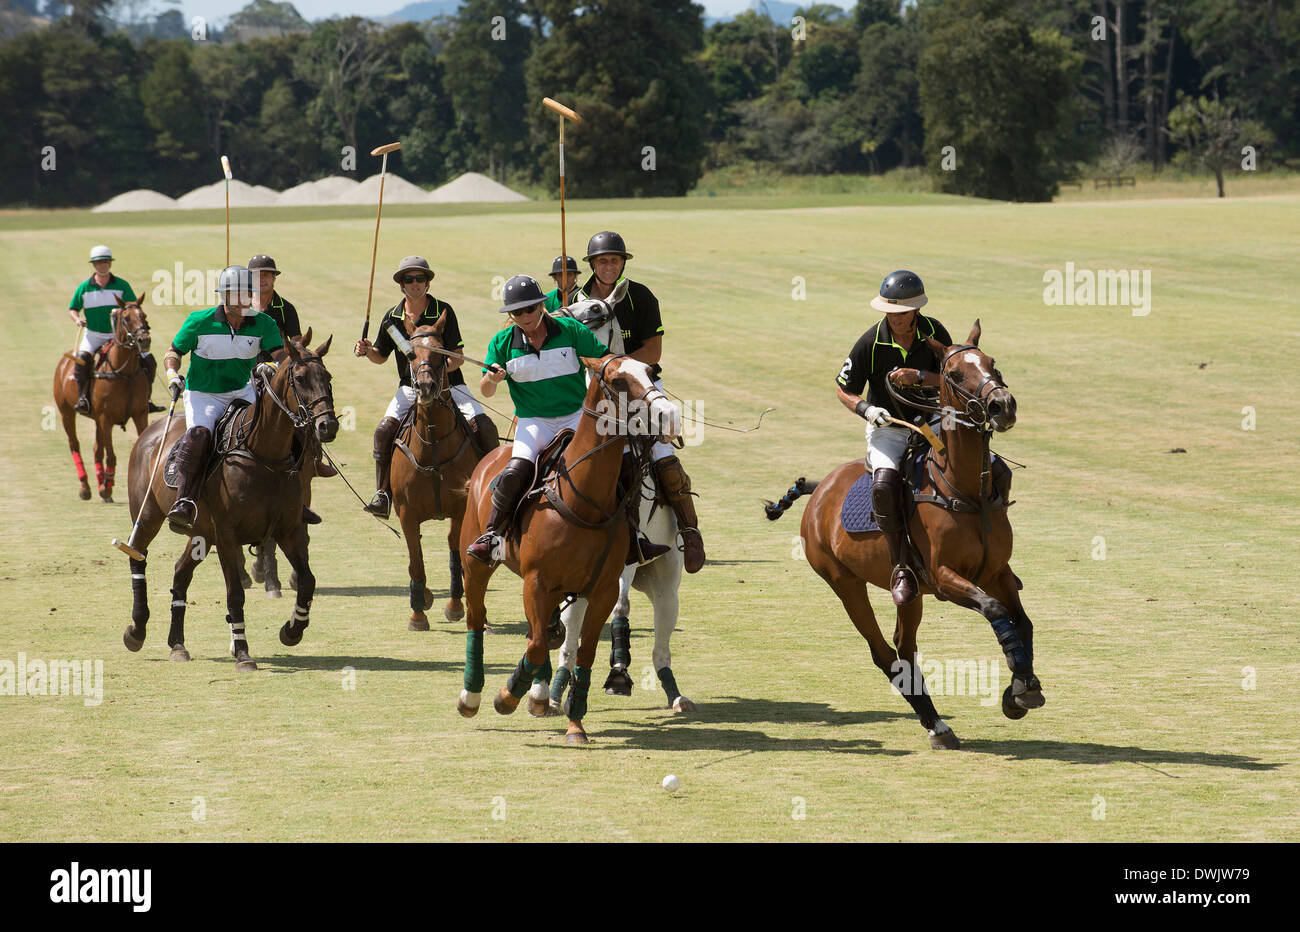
640, 549
150, 366
483, 434
676, 486
82, 373
511, 485
320, 466
191, 461
887, 503
385, 434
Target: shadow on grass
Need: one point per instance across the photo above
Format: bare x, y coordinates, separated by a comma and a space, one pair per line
1086, 753
287, 663
691, 738
748, 711
360, 592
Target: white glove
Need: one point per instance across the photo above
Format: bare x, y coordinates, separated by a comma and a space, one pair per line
877, 417
265, 370
176, 384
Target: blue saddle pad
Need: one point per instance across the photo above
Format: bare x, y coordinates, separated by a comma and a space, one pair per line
855, 513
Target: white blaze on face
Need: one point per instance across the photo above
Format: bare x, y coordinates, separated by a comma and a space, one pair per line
665, 419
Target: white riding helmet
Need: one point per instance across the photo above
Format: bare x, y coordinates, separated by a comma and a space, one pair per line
99, 253
237, 281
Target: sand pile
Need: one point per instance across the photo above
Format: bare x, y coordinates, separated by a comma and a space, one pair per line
397, 190
471, 186
139, 199
241, 195
313, 193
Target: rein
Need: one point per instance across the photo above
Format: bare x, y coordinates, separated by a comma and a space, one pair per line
240, 439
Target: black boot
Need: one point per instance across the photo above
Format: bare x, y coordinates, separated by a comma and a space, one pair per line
82, 373
483, 434
191, 461
511, 485
150, 367
676, 486
640, 549
887, 503
385, 434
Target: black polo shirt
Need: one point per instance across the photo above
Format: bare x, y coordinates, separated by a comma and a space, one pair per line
638, 314
876, 354
434, 309
285, 316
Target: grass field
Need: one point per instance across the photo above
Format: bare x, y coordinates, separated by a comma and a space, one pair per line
1170, 666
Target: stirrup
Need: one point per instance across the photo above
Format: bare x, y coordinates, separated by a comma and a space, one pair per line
181, 518
380, 505
83, 404
645, 551
898, 583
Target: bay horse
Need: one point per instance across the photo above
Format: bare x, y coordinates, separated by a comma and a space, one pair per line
253, 492
573, 540
430, 479
119, 392
660, 579
959, 528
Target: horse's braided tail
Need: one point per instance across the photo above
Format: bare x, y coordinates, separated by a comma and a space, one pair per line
801, 487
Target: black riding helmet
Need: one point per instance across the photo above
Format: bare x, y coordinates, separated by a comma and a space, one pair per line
520, 292
571, 264
901, 291
606, 243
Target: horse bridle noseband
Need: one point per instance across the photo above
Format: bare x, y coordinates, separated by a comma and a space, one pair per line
308, 416
975, 401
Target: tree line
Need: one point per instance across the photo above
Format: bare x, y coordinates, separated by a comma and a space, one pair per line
997, 98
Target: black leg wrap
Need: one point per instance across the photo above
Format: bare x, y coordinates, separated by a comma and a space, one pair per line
669, 683
139, 594
620, 652
520, 679
1009, 640
575, 706
417, 595
457, 575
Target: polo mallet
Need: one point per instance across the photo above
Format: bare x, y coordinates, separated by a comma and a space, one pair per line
383, 169
565, 114
76, 341
225, 168
128, 547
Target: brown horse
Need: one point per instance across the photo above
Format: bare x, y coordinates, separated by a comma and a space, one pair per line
959, 528
254, 492
573, 540
119, 392
430, 479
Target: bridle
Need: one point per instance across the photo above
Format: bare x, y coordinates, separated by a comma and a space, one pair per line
976, 402
306, 414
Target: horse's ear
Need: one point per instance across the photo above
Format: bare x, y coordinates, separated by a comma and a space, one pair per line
292, 349
140, 301
936, 347
118, 298
619, 292
325, 347
306, 338
974, 338
441, 323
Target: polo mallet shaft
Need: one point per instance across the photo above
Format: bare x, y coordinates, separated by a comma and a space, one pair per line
565, 114
374, 252
225, 168
128, 548
76, 341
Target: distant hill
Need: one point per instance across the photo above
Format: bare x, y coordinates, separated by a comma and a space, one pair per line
419, 12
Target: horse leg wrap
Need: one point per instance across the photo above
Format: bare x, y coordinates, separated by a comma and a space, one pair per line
457, 575
81, 467
524, 675
177, 633
99, 475
1009, 640
669, 683
417, 595
139, 594
109, 476
474, 661
237, 636
301, 616
620, 652
560, 682
576, 705
543, 673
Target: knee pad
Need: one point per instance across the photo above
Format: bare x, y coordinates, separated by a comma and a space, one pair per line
886, 489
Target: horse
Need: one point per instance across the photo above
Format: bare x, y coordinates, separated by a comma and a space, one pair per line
430, 481
659, 579
252, 492
119, 392
959, 529
574, 540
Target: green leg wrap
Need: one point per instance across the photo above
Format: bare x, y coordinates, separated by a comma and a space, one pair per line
544, 672
523, 676
620, 635
560, 682
576, 705
474, 661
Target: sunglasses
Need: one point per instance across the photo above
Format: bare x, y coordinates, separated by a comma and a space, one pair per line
412, 279
523, 313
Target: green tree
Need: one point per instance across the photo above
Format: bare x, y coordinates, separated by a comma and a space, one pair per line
1213, 134
341, 61
169, 93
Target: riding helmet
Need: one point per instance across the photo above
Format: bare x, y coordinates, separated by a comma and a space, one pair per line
262, 263
412, 264
520, 292
606, 243
900, 292
571, 264
238, 281
99, 253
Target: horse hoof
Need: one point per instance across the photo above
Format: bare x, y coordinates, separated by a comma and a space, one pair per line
505, 703
618, 683
428, 598
453, 610
944, 740
287, 636
179, 653
1010, 709
463, 705
418, 622
245, 666
107, 497
132, 642
682, 704
1031, 699
83, 494
557, 708
575, 737
273, 593
539, 700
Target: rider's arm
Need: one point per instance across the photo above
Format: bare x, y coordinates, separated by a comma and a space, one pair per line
848, 399
650, 351
172, 359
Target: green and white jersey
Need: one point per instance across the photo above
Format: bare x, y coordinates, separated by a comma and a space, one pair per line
223, 357
99, 303
549, 382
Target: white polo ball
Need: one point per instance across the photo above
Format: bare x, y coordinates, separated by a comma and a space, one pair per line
671, 783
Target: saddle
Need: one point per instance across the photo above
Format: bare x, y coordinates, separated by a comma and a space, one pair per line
407, 424
220, 447
547, 461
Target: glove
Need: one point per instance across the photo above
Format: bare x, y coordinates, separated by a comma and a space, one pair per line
175, 384
876, 417
265, 370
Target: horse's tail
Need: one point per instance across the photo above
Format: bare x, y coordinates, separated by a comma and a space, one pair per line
801, 487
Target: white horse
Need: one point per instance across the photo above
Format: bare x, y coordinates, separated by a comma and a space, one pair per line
659, 579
